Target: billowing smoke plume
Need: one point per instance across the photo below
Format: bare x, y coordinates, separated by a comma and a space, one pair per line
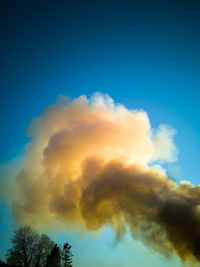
93, 163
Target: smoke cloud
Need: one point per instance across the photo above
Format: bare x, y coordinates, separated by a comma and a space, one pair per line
93, 163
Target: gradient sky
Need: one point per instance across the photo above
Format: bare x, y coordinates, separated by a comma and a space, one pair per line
144, 54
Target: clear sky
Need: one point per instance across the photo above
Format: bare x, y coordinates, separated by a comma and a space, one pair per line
144, 54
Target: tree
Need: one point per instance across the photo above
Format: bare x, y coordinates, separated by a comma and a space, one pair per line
29, 248
42, 250
67, 255
54, 258
24, 243
14, 258
3, 264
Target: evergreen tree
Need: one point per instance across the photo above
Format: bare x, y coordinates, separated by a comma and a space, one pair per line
54, 258
67, 255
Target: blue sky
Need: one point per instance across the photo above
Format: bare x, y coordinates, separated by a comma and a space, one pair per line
144, 54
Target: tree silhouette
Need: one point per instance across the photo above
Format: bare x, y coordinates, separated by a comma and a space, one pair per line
42, 250
67, 255
24, 243
54, 258
29, 248
3, 264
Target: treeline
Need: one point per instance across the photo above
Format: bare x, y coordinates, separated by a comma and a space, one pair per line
29, 249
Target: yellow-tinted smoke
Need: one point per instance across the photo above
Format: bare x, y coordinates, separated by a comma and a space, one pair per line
88, 166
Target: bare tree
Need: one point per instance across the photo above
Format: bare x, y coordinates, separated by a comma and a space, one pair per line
30, 249
42, 250
24, 244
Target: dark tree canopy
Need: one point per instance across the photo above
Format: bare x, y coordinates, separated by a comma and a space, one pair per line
29, 249
67, 255
54, 258
3, 264
24, 242
42, 250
